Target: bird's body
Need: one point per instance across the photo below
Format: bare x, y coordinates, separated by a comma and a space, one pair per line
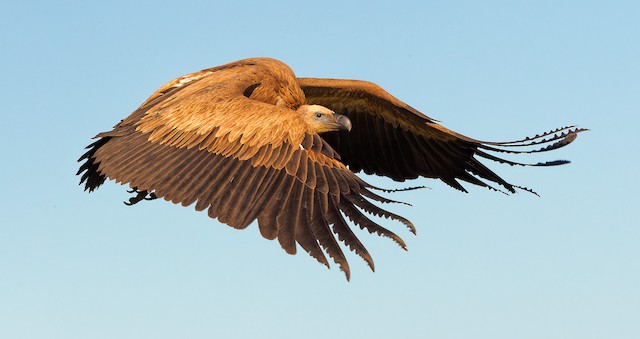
249, 140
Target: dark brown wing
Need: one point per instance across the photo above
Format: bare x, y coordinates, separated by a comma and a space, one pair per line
392, 139
204, 142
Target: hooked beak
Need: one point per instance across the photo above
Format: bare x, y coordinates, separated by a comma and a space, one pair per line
344, 124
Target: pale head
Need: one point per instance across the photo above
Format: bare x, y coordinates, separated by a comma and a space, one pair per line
321, 119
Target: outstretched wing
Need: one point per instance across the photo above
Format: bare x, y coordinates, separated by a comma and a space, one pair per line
200, 139
392, 139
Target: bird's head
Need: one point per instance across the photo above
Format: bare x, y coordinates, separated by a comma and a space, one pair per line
321, 119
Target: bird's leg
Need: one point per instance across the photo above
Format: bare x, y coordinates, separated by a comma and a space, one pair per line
140, 195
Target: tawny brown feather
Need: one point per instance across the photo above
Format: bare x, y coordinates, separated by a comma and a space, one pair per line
241, 141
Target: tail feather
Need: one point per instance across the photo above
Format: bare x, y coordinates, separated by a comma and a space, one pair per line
91, 178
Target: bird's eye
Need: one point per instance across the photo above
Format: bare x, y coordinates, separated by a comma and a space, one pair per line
318, 115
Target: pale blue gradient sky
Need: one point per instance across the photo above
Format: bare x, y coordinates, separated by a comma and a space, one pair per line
483, 265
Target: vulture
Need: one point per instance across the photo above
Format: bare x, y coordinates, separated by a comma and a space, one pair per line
251, 141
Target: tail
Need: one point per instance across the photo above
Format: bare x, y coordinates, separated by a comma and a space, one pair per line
91, 178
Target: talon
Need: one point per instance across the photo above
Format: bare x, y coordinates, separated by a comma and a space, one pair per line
151, 196
140, 195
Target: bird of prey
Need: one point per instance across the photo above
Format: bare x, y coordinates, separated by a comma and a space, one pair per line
249, 140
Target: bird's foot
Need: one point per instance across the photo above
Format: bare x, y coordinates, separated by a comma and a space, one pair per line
140, 195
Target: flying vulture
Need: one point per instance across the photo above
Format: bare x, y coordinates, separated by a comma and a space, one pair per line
249, 140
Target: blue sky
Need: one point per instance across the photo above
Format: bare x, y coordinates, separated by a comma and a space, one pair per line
483, 265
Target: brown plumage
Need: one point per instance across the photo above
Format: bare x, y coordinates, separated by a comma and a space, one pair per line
248, 140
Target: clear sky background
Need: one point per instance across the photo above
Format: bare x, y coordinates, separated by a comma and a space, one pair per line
483, 265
